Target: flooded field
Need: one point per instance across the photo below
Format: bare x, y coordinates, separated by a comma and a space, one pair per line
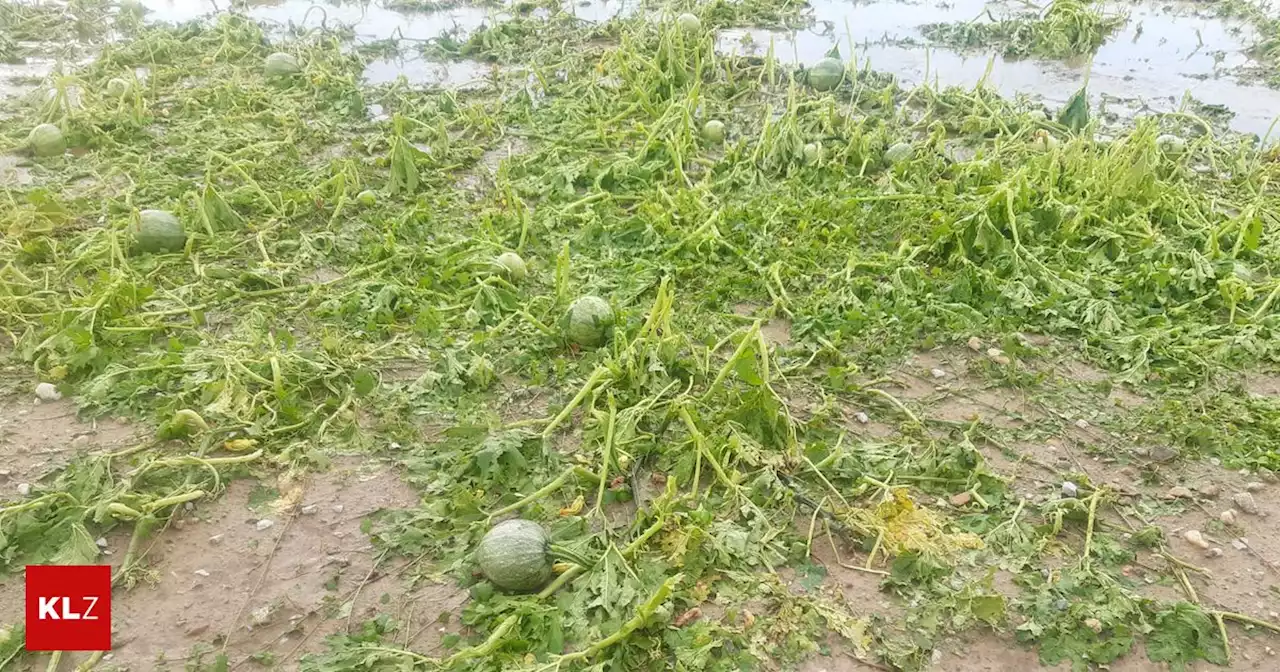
1164, 52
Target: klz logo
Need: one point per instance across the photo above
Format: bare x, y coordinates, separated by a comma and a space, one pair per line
49, 609
68, 608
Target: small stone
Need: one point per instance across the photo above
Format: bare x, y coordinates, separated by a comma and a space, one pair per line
338, 508
1128, 489
1274, 615
5, 474
938, 373
1196, 539
309, 509
960, 499
1093, 624
1228, 517
1210, 490
1217, 462
861, 417
1069, 489
1179, 492
47, 392
215, 540
997, 355
1244, 501
1239, 545
975, 344
1214, 552
264, 524
1061, 604
260, 616
1082, 424
24, 489
194, 630
1161, 454
101, 542
1254, 486
80, 441
201, 572
189, 506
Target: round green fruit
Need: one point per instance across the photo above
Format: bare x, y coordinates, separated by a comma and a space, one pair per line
158, 231
900, 152
827, 74
46, 140
713, 131
588, 322
689, 23
512, 265
516, 556
812, 153
281, 64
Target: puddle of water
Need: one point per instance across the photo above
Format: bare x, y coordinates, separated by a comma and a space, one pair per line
16, 79
369, 20
879, 21
599, 11
461, 75
14, 172
1156, 57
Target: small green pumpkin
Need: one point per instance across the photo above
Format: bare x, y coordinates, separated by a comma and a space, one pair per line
46, 140
281, 64
827, 74
159, 231
689, 23
813, 153
512, 266
588, 322
516, 556
713, 131
900, 152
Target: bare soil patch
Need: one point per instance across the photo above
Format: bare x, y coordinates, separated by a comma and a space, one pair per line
222, 580
37, 437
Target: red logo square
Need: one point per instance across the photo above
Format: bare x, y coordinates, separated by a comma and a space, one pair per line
68, 608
